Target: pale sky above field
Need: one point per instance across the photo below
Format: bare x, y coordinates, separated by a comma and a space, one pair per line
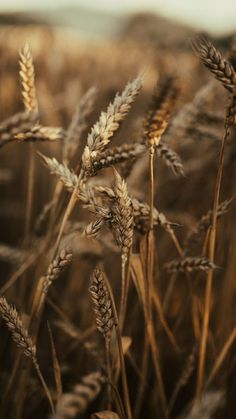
210, 15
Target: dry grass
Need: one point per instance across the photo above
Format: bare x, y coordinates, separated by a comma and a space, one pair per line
119, 222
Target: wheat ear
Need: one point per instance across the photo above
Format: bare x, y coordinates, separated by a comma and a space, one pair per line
190, 264
78, 124
77, 401
109, 121
110, 298
27, 80
212, 59
21, 337
18, 123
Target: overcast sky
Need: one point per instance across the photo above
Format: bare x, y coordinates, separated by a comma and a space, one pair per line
213, 15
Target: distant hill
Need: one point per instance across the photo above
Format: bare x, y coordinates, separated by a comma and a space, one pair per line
100, 24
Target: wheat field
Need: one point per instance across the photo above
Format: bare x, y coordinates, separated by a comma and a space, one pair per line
117, 221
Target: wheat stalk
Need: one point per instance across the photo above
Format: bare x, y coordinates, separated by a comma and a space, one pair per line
27, 80
190, 264
18, 331
66, 176
114, 156
159, 112
205, 222
224, 72
109, 121
102, 304
171, 158
186, 373
122, 217
59, 263
212, 59
82, 395
21, 337
93, 229
40, 133
16, 124
78, 124
206, 406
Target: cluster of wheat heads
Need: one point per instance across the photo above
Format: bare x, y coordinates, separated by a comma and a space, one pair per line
97, 234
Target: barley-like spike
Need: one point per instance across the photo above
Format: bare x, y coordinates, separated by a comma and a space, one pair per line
212, 59
110, 120
66, 176
70, 181
78, 124
76, 402
141, 213
27, 79
114, 156
188, 116
102, 304
61, 261
160, 110
93, 229
206, 406
18, 331
190, 264
105, 191
41, 133
19, 122
122, 216
171, 158
206, 220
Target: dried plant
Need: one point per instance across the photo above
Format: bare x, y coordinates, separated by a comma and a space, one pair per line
40, 133
190, 264
114, 156
78, 124
27, 79
211, 58
109, 121
205, 222
77, 401
62, 260
94, 228
18, 123
18, 331
102, 304
186, 373
103, 218
122, 217
66, 176
160, 110
208, 404
21, 336
171, 158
